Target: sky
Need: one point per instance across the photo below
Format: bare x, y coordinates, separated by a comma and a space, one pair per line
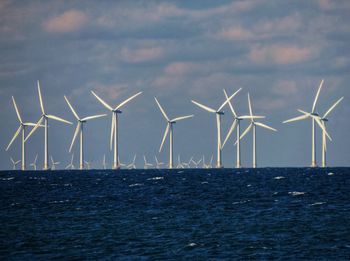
278, 51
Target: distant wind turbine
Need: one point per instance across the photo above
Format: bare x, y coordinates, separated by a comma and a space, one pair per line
14, 163
158, 163
179, 164
114, 127
253, 125
22, 127
219, 112
315, 118
79, 130
54, 163
132, 164
34, 162
104, 162
71, 164
237, 123
45, 117
147, 164
169, 129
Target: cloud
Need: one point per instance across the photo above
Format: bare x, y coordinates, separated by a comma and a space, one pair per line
285, 88
235, 33
179, 68
141, 55
69, 21
280, 54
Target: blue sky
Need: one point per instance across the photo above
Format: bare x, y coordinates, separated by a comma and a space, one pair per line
177, 51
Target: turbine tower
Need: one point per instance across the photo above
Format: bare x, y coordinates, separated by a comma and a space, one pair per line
169, 128
253, 125
114, 127
79, 130
314, 118
71, 164
218, 114
14, 163
22, 127
324, 120
45, 117
237, 123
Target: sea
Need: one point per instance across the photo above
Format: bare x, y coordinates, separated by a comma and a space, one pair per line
180, 214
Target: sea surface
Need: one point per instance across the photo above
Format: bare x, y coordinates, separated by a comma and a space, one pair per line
189, 214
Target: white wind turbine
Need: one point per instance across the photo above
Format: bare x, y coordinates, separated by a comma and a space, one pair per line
219, 112
114, 127
22, 127
169, 129
88, 164
34, 162
158, 163
14, 163
147, 164
237, 123
45, 117
315, 118
71, 164
132, 164
79, 130
253, 125
104, 162
324, 120
196, 163
179, 164
54, 163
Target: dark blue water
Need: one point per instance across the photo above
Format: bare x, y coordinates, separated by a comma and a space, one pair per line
263, 214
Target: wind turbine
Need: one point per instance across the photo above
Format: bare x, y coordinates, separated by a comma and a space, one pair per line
315, 118
104, 161
22, 127
114, 127
54, 164
253, 125
71, 165
196, 163
237, 123
169, 128
147, 164
34, 162
45, 117
158, 163
132, 164
219, 112
179, 164
88, 164
14, 163
324, 120
79, 130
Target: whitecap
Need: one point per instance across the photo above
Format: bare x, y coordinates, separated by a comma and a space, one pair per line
330, 174
296, 193
155, 178
279, 177
249, 185
10, 178
192, 244
181, 171
317, 203
205, 182
135, 185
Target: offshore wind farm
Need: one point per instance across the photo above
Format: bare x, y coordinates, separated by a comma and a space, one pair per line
174, 130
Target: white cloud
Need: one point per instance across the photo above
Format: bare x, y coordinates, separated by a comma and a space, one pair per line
141, 55
69, 21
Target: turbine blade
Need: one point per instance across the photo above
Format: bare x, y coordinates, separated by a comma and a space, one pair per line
250, 106
246, 131
112, 131
229, 103
17, 111
127, 100
304, 112
75, 136
41, 99
265, 126
316, 98
318, 121
252, 117
34, 129
233, 126
299, 118
102, 101
228, 100
94, 117
164, 137
203, 106
162, 110
58, 119
182, 118
14, 137
71, 108
31, 124
333, 106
